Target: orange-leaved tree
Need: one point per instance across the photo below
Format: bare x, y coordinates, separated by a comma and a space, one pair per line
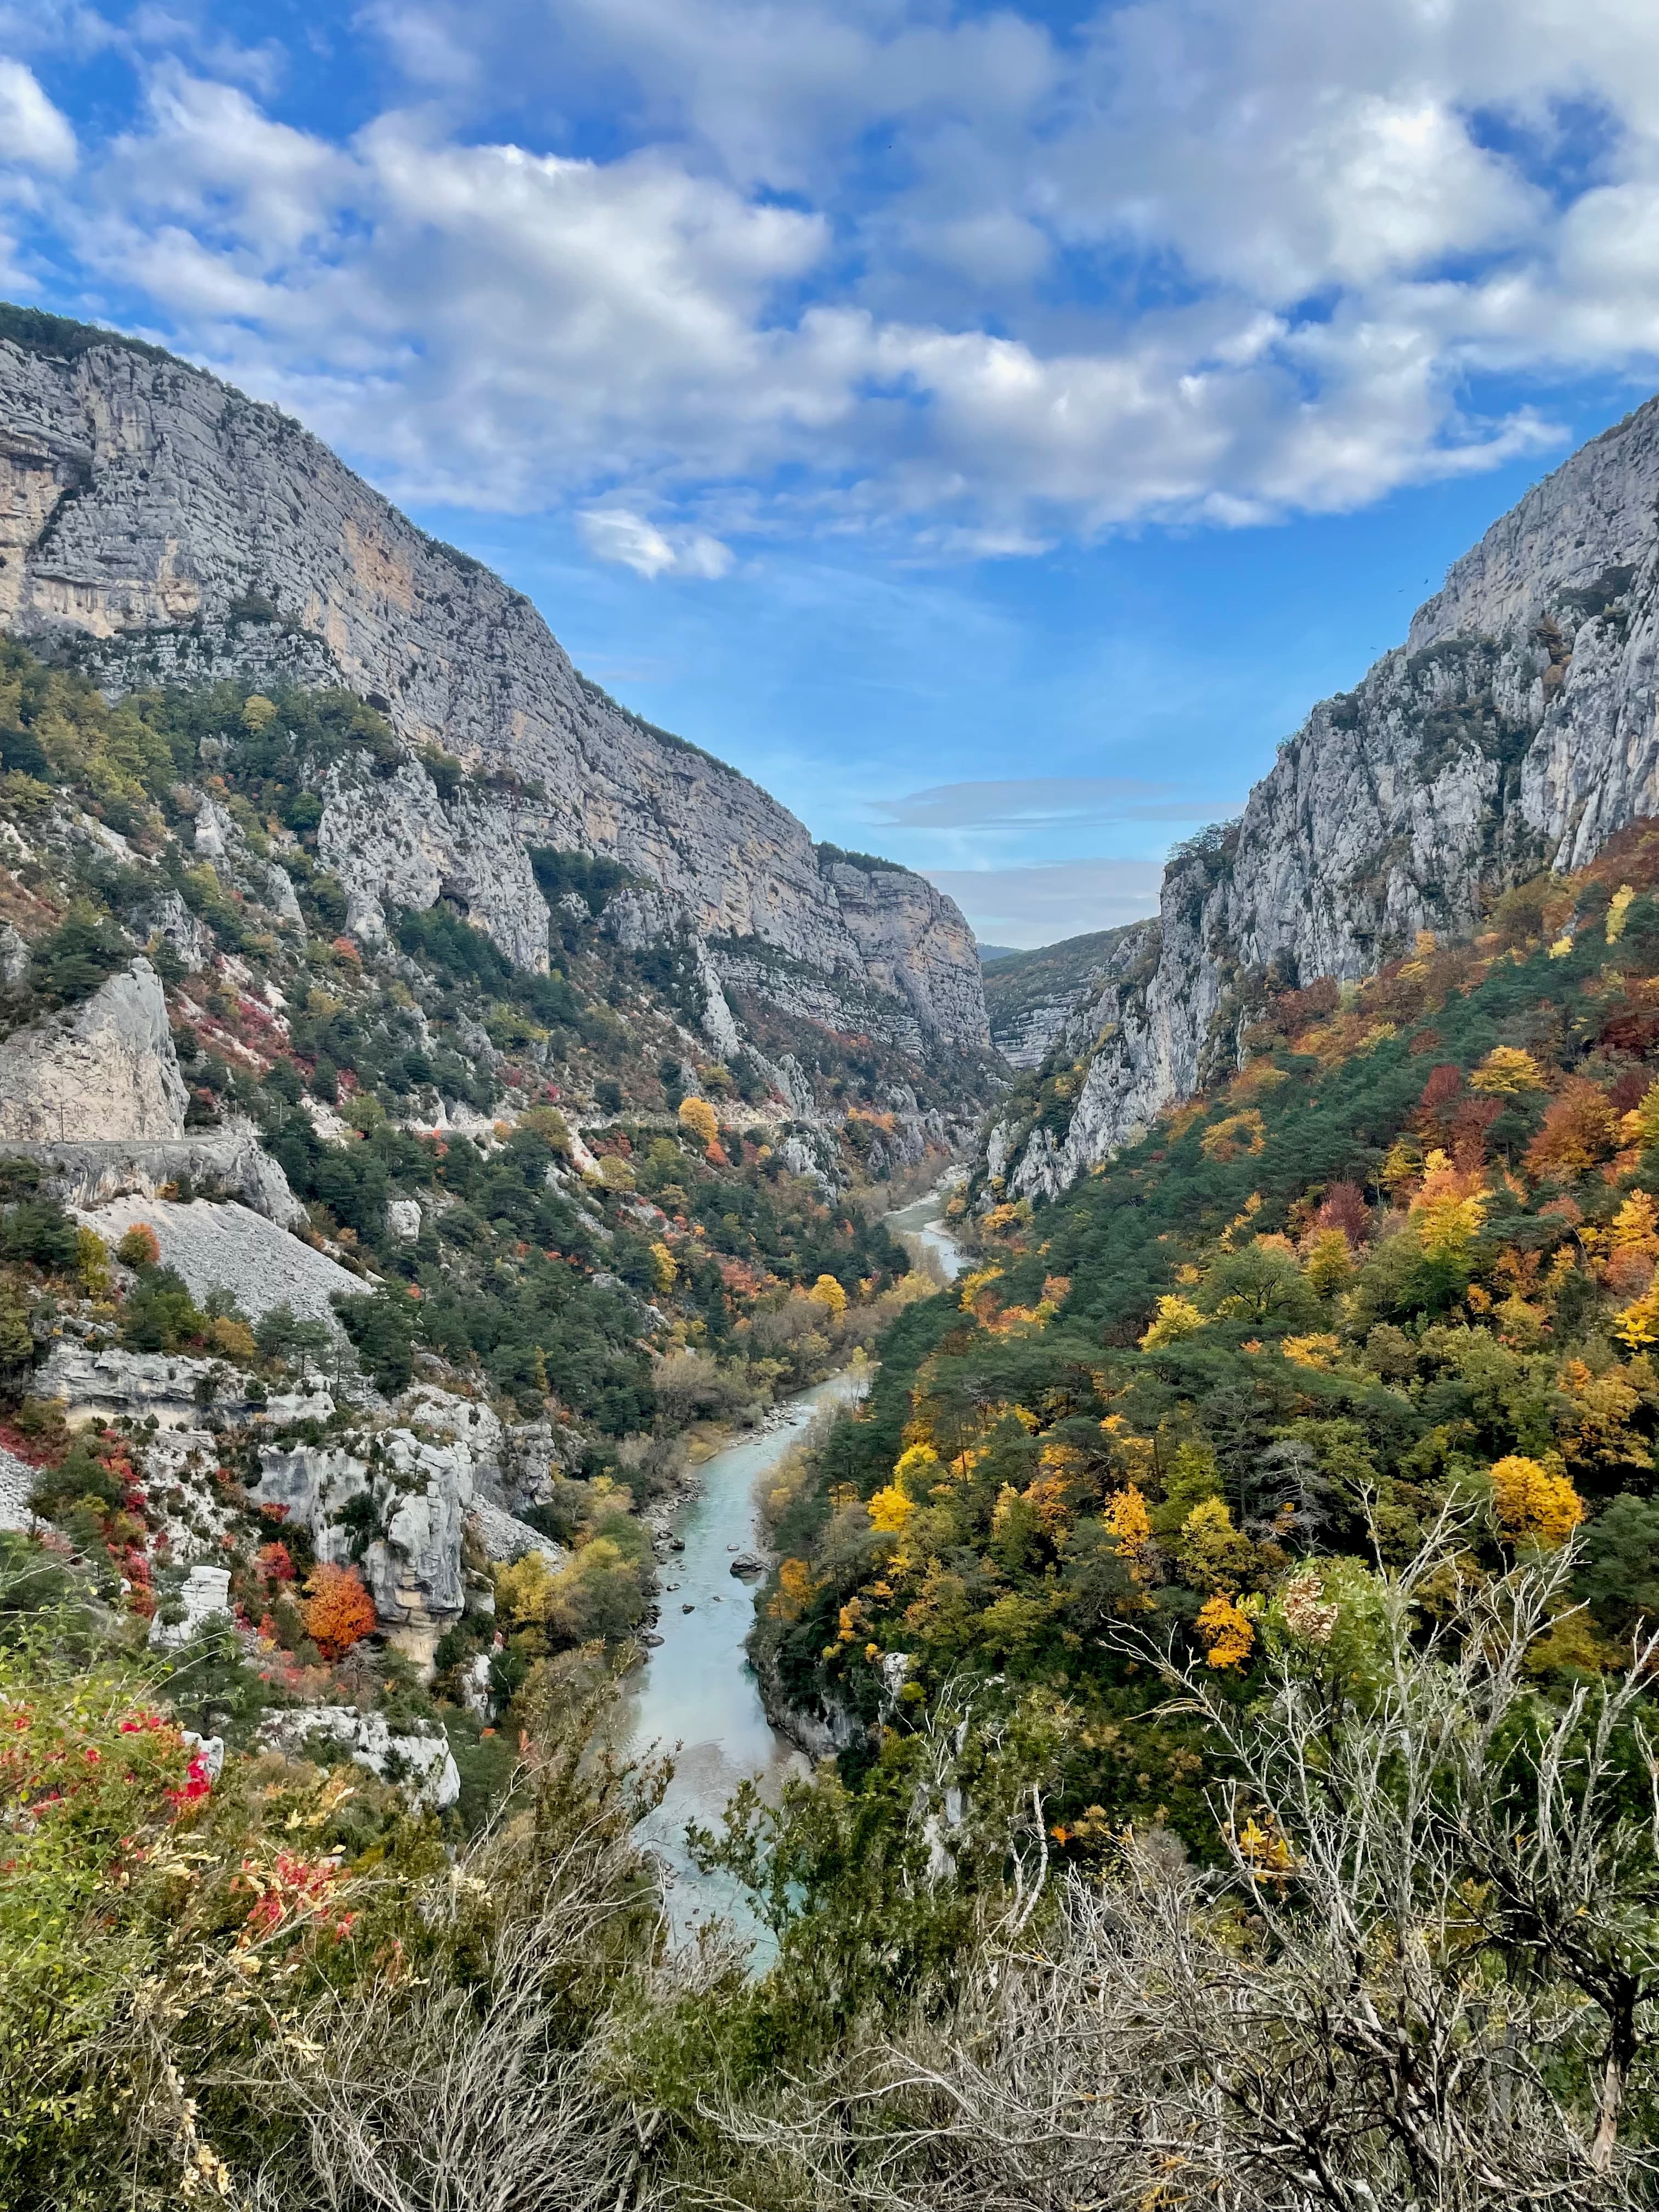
140, 1247
338, 1612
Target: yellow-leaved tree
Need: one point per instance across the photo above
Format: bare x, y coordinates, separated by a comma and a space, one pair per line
1641, 1125
1635, 1227
1128, 1521
1327, 1262
1507, 1071
1227, 1635
1637, 1323
917, 1464
795, 1591
697, 1115
889, 1510
1176, 1318
1533, 1505
828, 1293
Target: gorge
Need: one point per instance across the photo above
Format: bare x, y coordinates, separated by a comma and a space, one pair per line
1122, 1482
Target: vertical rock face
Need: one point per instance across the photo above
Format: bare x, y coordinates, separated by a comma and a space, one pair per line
392, 841
148, 510
1514, 730
105, 1069
915, 946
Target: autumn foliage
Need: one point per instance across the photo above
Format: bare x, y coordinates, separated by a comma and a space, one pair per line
140, 1247
337, 1611
1580, 1128
697, 1115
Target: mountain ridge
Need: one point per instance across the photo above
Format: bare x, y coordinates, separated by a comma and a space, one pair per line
1513, 730
155, 524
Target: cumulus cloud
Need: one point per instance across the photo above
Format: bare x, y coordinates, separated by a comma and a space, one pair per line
1035, 906
32, 133
875, 266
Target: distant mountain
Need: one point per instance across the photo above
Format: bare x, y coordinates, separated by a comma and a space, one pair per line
158, 527
1030, 997
989, 953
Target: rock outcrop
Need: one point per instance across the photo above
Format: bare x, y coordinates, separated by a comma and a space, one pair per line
393, 842
204, 1596
228, 1247
1036, 1001
104, 1069
16, 1485
1514, 730
173, 530
398, 1509
230, 1161
101, 1382
421, 1761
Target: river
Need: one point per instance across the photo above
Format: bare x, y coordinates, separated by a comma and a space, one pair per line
697, 1688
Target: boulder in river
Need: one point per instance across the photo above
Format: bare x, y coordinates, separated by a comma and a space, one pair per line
747, 1567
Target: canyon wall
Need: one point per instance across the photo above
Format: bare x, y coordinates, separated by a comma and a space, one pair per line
1515, 729
167, 528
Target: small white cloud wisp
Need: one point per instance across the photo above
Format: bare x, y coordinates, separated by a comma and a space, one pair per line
616, 533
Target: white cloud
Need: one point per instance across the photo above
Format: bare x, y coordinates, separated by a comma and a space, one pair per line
1042, 801
615, 533
1042, 905
32, 133
874, 265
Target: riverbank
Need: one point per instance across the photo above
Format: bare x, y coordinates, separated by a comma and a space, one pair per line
698, 1688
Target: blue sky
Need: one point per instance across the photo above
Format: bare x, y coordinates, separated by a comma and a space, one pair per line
989, 427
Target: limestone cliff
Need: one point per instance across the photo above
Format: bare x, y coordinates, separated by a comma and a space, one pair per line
170, 528
1035, 1000
105, 1070
1515, 729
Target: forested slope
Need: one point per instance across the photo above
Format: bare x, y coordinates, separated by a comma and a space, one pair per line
1399, 1267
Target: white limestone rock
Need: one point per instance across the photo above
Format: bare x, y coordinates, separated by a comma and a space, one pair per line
16, 1488
205, 1596
476, 1692
393, 842
102, 1383
423, 1765
1515, 729
228, 1247
184, 493
504, 1536
220, 840
169, 917
230, 1159
210, 1749
102, 1070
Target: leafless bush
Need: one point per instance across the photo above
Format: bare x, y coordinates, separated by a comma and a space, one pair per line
469, 2076
694, 1386
1420, 1979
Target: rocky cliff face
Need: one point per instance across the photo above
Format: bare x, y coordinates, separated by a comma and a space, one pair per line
1036, 1001
1514, 730
174, 530
103, 1070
